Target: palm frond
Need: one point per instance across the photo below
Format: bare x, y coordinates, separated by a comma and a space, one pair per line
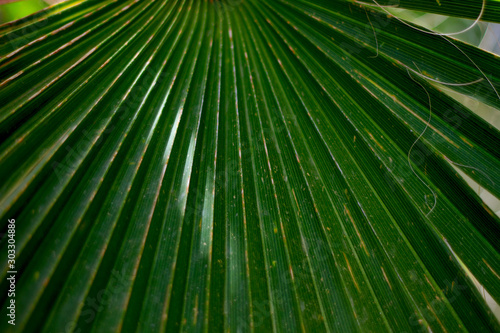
188, 165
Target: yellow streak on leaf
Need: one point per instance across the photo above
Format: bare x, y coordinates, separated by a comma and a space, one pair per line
350, 271
385, 277
491, 269
357, 231
467, 142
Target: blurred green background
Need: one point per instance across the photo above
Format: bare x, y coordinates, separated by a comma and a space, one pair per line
16, 10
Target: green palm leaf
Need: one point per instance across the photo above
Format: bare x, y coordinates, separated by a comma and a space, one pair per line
191, 165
